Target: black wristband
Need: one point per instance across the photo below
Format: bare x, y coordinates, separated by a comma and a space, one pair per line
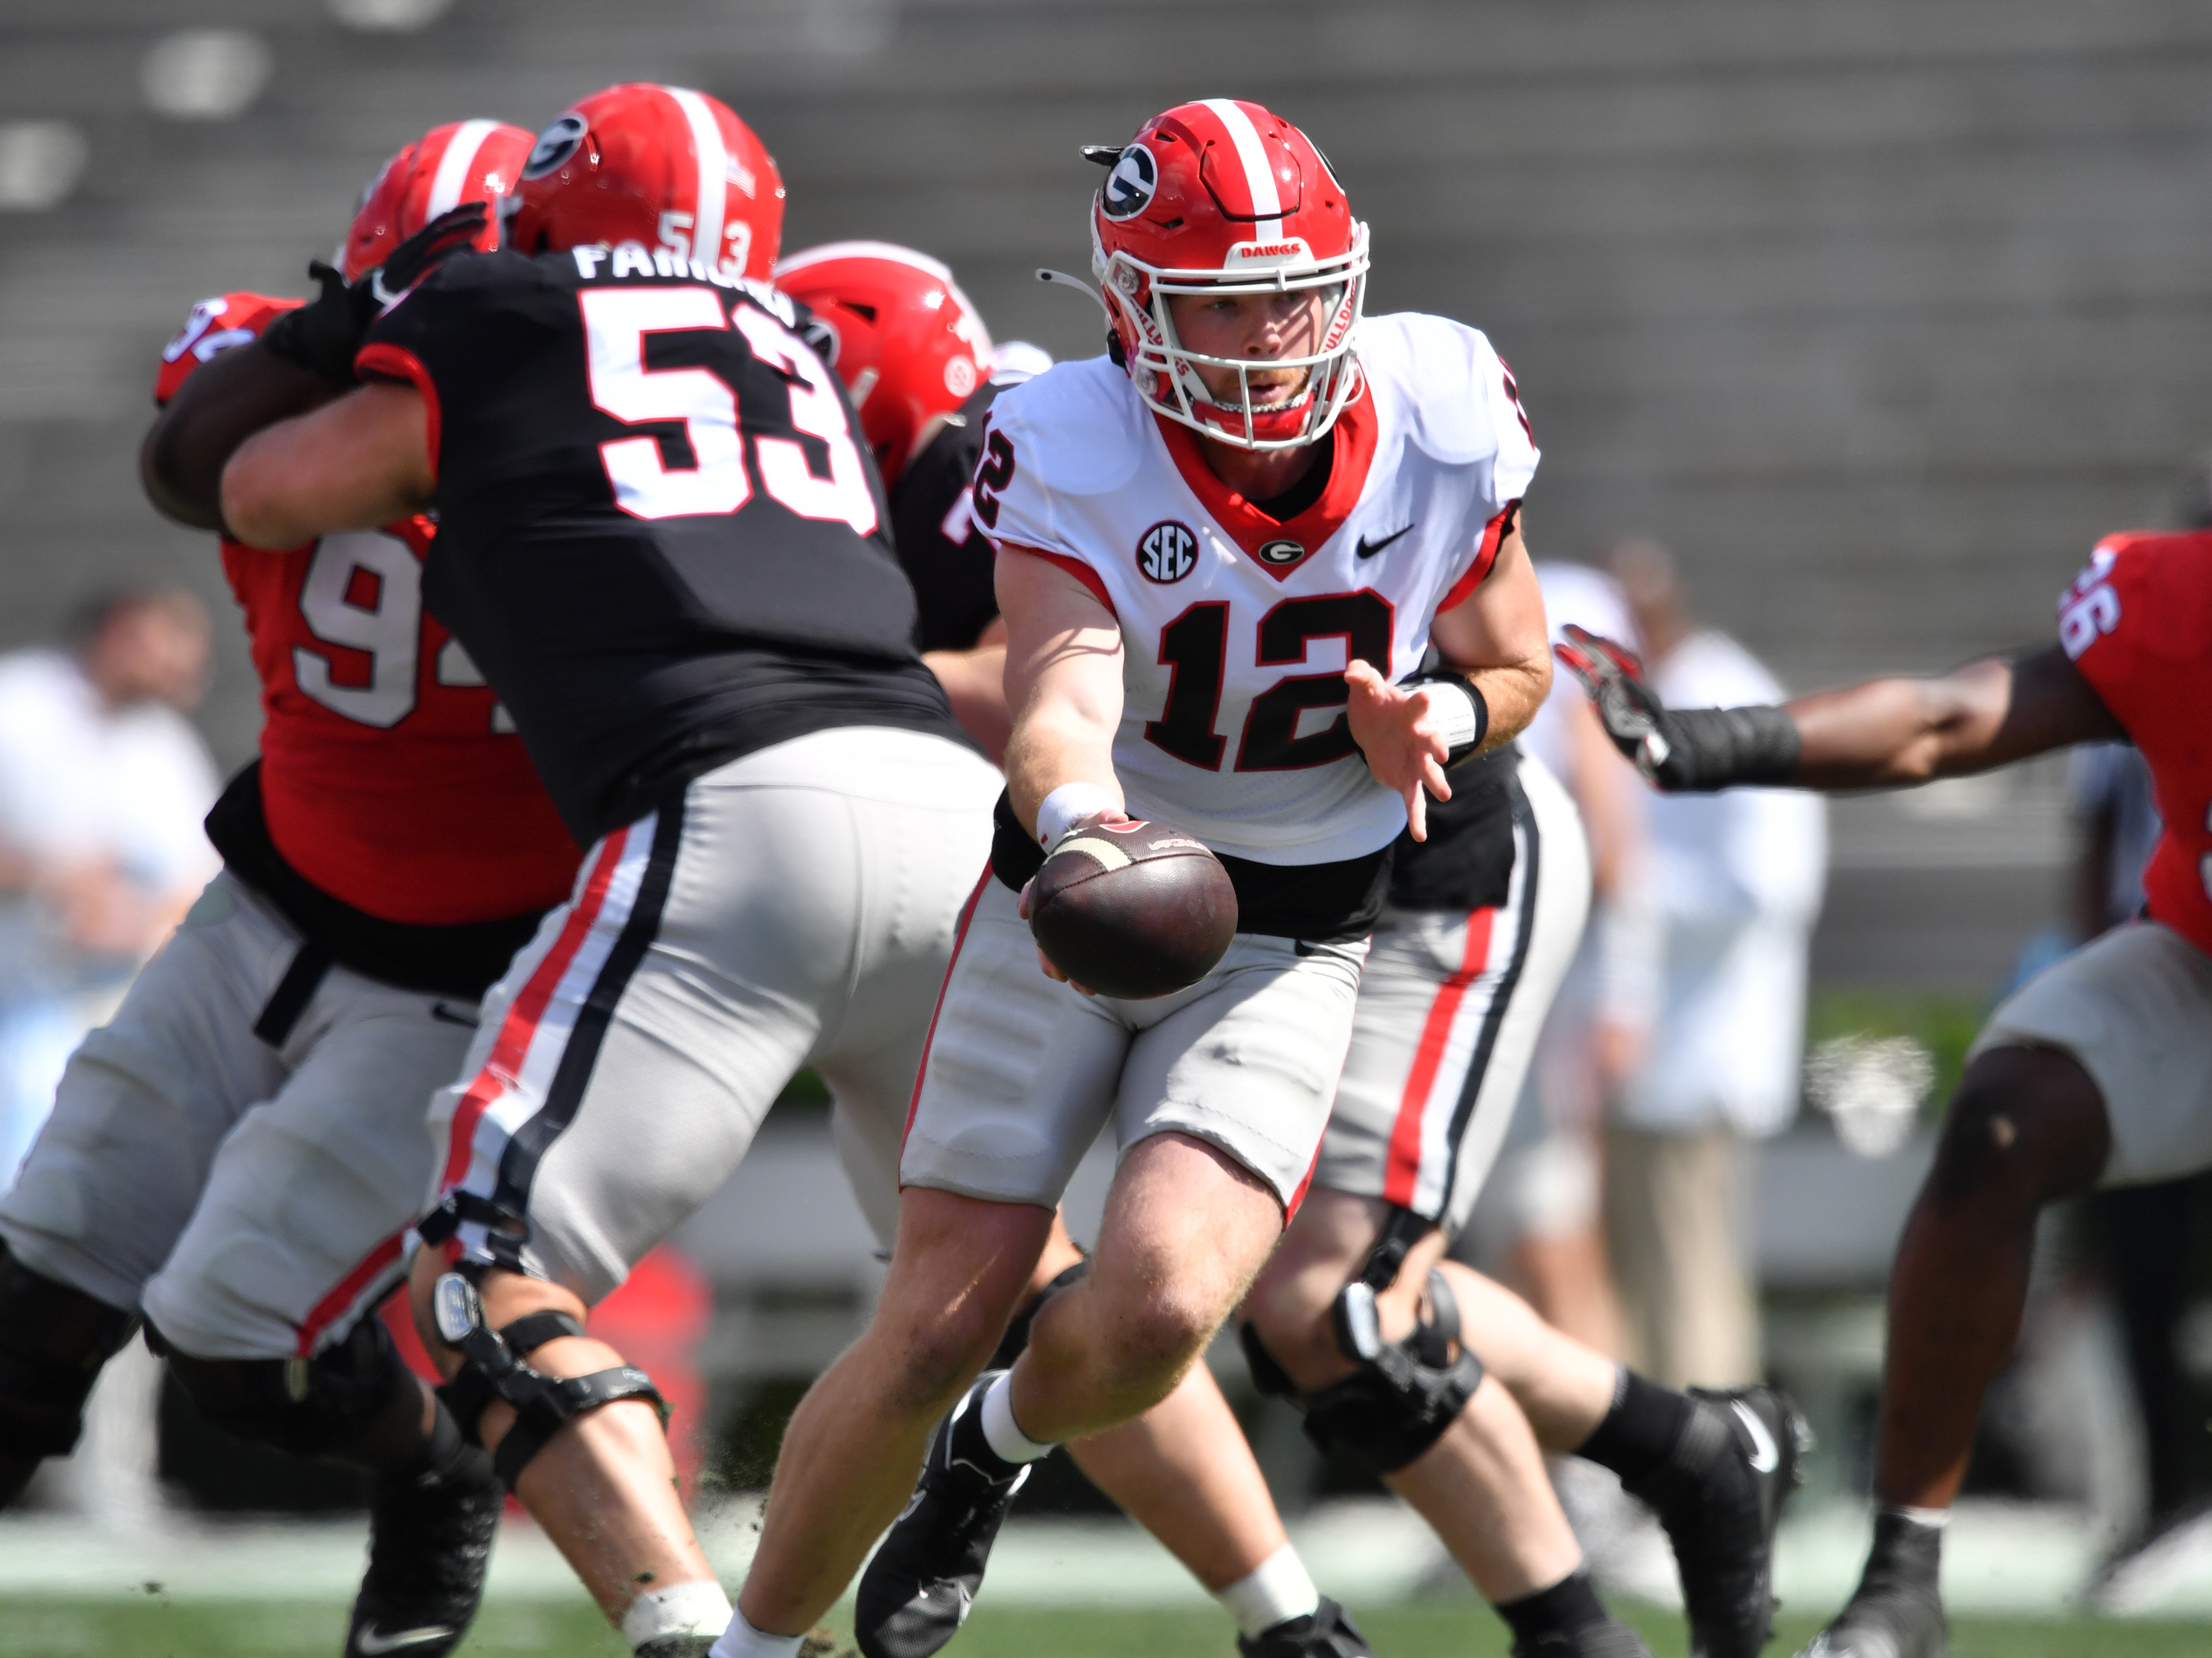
1463, 745
1723, 748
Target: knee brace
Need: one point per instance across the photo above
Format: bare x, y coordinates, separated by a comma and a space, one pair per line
492, 1366
53, 1340
356, 1399
1017, 1327
1405, 1393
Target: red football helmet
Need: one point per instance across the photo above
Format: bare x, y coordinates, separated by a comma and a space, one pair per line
1221, 196
900, 334
464, 161
663, 167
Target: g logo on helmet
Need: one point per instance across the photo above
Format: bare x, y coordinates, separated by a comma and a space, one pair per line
1279, 553
1129, 188
554, 146
819, 334
1167, 552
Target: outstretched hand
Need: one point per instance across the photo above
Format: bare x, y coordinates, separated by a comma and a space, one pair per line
1405, 749
1628, 709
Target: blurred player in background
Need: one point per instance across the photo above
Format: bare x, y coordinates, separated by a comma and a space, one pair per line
2096, 1072
697, 621
1215, 1152
923, 372
238, 1155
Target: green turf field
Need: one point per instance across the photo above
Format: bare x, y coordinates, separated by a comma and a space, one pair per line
152, 1629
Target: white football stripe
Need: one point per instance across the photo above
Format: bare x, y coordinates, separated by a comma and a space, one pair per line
714, 176
455, 167
1259, 177
1110, 857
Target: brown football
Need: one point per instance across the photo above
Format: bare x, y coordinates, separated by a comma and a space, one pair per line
1132, 910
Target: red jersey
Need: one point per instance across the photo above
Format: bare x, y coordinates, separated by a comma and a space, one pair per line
2138, 624
391, 778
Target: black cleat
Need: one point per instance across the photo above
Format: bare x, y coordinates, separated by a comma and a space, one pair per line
922, 1585
1719, 1494
1326, 1631
1897, 1612
1606, 1640
430, 1540
1884, 1620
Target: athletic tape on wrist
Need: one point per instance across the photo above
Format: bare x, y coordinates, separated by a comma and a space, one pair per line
1065, 805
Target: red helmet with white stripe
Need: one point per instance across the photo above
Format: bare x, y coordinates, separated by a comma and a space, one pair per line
899, 332
663, 167
1223, 198
462, 161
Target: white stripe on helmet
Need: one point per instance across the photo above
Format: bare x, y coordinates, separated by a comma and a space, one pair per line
455, 166
889, 250
1258, 176
714, 176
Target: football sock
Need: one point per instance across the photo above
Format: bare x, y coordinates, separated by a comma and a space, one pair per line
1273, 1592
699, 1608
1908, 1545
1001, 1432
1570, 1604
742, 1640
1642, 1428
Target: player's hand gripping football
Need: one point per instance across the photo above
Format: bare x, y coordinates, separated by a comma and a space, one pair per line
1630, 710
325, 334
1022, 906
1405, 749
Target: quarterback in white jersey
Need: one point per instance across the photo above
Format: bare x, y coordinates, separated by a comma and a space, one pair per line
1219, 556
1238, 628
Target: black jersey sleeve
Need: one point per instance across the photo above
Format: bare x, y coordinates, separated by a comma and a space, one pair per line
943, 552
659, 538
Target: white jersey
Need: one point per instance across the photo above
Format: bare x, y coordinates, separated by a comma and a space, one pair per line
1236, 629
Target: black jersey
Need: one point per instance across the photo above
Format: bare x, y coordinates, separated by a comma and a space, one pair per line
939, 544
658, 539
1467, 862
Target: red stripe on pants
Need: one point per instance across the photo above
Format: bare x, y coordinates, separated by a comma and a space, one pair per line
349, 1287
528, 1008
1403, 1171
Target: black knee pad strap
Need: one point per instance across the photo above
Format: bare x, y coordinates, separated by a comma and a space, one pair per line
354, 1392
1017, 1327
493, 1367
1405, 1393
53, 1340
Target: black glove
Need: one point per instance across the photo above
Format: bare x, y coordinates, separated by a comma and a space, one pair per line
1679, 749
325, 334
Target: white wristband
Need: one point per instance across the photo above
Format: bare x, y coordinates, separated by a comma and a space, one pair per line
1451, 705
1065, 805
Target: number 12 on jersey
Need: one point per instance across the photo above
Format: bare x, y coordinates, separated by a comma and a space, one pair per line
1195, 647
616, 323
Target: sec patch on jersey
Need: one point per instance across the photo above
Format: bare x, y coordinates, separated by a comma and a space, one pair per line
1132, 910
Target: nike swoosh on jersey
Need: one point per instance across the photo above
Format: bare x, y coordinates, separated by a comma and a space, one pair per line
1766, 1456
371, 1642
1367, 548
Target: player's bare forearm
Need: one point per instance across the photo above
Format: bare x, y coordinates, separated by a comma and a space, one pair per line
356, 464
1893, 732
1496, 637
1063, 682
226, 401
